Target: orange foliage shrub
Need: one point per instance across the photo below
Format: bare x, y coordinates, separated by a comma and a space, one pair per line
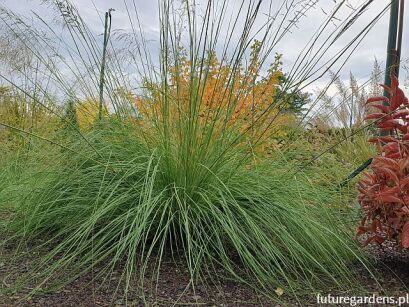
220, 96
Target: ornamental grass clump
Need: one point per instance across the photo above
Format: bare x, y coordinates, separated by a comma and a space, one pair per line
259, 224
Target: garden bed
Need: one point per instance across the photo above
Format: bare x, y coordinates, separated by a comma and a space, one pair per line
391, 264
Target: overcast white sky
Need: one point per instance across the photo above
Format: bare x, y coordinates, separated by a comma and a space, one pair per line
360, 64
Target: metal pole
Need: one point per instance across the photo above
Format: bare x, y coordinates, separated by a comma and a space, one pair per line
392, 55
400, 33
392, 52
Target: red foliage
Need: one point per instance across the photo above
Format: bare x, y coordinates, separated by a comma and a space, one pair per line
384, 191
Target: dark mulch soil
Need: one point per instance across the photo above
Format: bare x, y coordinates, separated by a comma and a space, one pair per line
86, 291
391, 263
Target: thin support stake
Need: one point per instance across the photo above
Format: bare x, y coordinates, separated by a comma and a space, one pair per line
107, 30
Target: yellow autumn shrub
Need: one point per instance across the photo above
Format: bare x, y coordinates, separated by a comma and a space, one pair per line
221, 96
23, 117
87, 112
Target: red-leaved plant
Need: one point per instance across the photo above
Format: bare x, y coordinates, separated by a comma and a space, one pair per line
384, 191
